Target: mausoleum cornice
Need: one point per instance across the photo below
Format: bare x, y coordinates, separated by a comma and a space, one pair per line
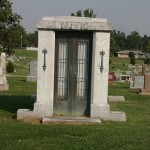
74, 23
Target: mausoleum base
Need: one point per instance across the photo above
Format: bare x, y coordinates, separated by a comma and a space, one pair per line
43, 113
40, 110
4, 87
103, 112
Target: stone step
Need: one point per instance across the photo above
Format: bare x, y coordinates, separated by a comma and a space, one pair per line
69, 120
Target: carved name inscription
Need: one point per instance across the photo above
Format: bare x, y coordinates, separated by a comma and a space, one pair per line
75, 25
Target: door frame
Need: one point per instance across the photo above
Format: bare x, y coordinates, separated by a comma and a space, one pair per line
74, 37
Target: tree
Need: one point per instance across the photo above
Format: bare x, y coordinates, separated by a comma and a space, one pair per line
132, 60
147, 61
134, 41
117, 41
10, 29
131, 54
145, 40
33, 39
148, 46
85, 13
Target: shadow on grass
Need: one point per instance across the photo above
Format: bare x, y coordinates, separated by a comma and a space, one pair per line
13, 103
22, 80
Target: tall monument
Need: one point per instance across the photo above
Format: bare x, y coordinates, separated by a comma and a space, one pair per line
3, 81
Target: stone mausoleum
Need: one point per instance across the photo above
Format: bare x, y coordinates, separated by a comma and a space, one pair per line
72, 72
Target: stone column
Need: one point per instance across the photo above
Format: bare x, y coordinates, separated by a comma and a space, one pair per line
45, 79
99, 91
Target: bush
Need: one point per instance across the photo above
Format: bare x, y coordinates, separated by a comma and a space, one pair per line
10, 67
132, 61
131, 54
147, 61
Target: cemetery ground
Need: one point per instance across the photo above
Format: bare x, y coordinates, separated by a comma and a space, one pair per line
14, 135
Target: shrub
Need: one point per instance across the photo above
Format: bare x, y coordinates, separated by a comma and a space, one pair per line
147, 61
132, 61
10, 67
131, 54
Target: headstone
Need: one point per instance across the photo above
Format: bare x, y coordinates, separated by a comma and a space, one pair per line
146, 90
112, 78
3, 81
32, 77
124, 78
116, 99
144, 66
147, 81
138, 82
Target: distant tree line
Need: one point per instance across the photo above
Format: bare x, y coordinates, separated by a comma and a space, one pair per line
13, 35
133, 41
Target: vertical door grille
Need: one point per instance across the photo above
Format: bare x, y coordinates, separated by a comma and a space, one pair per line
62, 71
82, 74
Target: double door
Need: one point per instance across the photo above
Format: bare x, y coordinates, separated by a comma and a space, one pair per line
73, 55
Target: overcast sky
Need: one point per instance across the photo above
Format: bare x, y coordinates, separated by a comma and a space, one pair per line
125, 15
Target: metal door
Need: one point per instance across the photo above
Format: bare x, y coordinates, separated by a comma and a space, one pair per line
72, 74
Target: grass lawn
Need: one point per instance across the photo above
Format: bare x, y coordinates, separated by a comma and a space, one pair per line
118, 63
134, 134
22, 66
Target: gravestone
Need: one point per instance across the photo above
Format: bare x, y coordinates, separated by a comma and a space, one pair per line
146, 90
112, 78
138, 82
71, 83
116, 99
124, 78
32, 76
3, 81
147, 81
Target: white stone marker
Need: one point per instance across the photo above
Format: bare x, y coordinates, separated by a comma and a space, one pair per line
3, 81
99, 107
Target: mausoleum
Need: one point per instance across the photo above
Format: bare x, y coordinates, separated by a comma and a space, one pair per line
73, 68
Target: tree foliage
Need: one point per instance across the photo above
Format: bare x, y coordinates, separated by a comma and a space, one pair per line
131, 54
147, 61
133, 41
10, 67
33, 39
133, 60
10, 29
117, 41
84, 13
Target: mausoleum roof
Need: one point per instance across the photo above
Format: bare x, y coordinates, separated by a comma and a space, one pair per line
74, 23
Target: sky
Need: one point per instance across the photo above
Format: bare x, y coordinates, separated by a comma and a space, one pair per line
125, 15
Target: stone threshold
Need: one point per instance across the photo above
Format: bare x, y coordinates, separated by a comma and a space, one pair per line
70, 120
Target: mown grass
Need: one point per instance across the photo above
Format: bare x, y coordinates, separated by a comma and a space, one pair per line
119, 63
22, 66
134, 134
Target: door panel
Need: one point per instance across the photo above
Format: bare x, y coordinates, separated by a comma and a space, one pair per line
61, 103
62, 71
72, 74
